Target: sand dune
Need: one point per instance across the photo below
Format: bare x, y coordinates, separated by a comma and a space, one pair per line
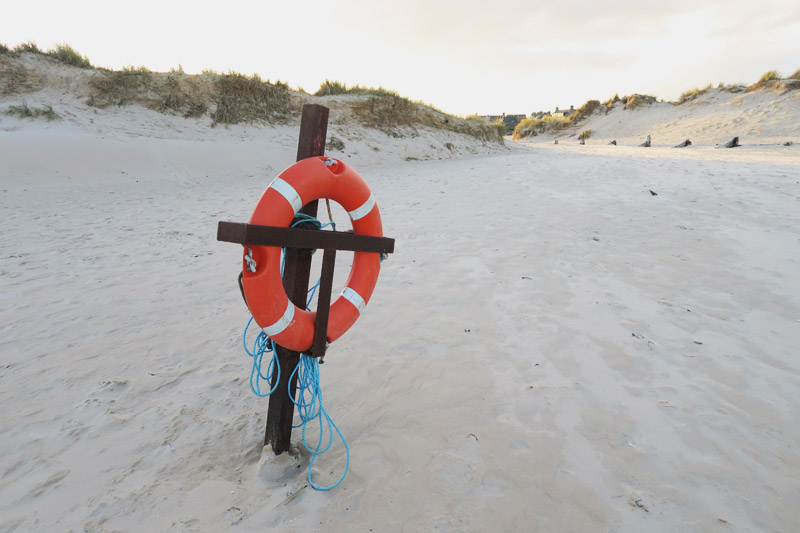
552, 347
764, 116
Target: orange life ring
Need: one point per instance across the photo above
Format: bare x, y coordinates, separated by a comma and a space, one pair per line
307, 180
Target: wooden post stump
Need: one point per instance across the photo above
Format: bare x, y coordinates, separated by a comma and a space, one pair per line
733, 143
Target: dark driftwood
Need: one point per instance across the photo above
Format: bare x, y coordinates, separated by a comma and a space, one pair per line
684, 144
788, 143
646, 143
733, 143
614, 142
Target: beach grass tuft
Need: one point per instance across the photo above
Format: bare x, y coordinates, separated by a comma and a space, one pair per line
119, 87
329, 87
586, 110
691, 94
241, 98
24, 111
28, 46
638, 100
183, 95
69, 56
531, 127
773, 80
769, 75
613, 100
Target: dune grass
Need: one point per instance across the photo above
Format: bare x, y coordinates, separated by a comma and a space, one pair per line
119, 87
474, 118
691, 94
240, 98
531, 127
29, 46
67, 55
61, 52
772, 79
329, 87
235, 98
24, 111
387, 111
586, 110
390, 113
769, 76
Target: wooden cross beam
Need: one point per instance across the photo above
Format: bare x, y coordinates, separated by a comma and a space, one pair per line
304, 239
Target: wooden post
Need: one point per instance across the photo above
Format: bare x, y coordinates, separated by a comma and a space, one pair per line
296, 272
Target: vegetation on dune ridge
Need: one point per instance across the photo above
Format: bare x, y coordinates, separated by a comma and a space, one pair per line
769, 76
692, 94
530, 127
772, 80
240, 98
329, 88
233, 97
67, 55
387, 111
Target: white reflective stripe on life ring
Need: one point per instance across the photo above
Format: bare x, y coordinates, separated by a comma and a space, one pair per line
354, 298
364, 210
283, 322
288, 192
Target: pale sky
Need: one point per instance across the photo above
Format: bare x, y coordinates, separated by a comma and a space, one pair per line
486, 57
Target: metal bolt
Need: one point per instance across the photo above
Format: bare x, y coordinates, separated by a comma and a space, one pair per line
251, 263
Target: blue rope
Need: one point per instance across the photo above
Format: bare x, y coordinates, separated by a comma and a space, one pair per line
261, 345
309, 403
310, 408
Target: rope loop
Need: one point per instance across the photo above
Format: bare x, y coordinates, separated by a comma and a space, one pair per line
309, 408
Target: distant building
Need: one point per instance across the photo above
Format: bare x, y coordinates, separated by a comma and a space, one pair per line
513, 120
564, 113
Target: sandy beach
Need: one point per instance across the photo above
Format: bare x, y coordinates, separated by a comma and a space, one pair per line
568, 338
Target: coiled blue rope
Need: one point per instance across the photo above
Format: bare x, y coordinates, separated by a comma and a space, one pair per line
309, 408
309, 391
